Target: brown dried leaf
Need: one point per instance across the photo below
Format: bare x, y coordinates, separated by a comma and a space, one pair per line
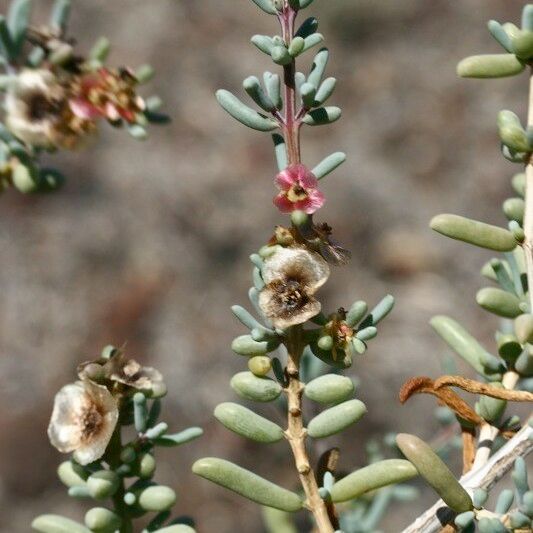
475, 387
423, 384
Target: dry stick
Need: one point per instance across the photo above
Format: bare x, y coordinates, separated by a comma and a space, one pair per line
296, 433
528, 215
485, 478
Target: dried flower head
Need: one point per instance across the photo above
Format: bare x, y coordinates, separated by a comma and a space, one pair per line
38, 114
121, 369
83, 419
298, 190
129, 372
292, 276
107, 93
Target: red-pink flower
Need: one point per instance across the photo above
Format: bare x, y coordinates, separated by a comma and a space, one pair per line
298, 190
106, 93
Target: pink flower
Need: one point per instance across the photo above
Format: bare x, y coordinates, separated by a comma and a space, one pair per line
298, 190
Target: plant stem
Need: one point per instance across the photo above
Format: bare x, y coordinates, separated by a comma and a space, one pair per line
291, 125
296, 433
113, 458
528, 216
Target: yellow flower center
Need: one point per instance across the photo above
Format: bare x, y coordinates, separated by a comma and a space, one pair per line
296, 193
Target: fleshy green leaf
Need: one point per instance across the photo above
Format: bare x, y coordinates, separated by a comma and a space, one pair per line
254, 388
431, 467
322, 115
182, 437
244, 114
335, 419
372, 477
465, 345
329, 389
51, 523
60, 14
157, 498
474, 232
17, 22
245, 422
329, 164
499, 302
490, 66
247, 484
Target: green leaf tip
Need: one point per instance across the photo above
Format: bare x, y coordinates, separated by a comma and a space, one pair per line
103, 520
266, 5
255, 388
490, 66
372, 477
51, 523
329, 389
474, 232
247, 484
336, 419
248, 424
176, 528
157, 498
431, 467
244, 114
466, 346
499, 302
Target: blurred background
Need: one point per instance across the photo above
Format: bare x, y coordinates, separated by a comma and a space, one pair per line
148, 244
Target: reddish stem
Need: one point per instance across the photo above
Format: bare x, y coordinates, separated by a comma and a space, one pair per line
291, 122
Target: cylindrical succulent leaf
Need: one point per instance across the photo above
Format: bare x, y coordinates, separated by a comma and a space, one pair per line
474, 232
51, 523
372, 477
490, 66
254, 388
157, 498
335, 419
245, 422
431, 467
329, 389
247, 484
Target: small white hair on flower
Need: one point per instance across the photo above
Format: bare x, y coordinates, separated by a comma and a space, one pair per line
292, 276
83, 420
